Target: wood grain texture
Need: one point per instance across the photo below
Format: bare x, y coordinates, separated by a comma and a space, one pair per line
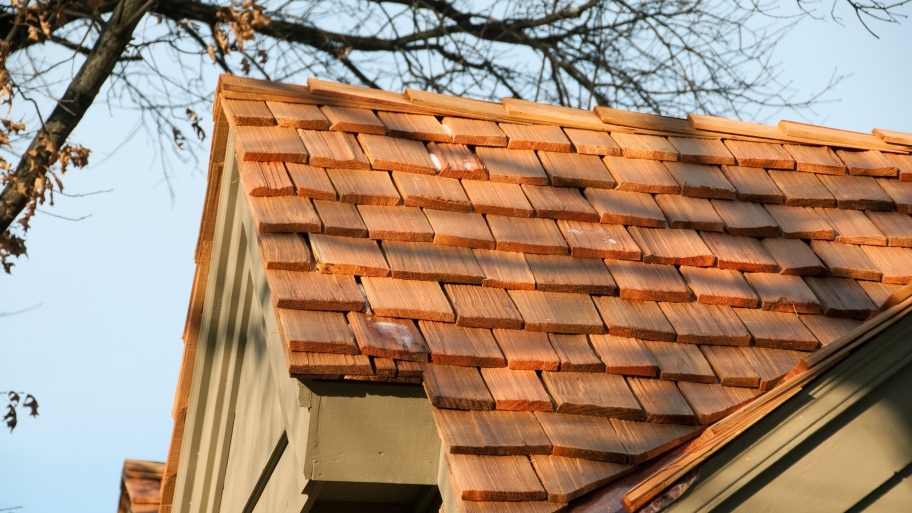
333, 149
771, 364
551, 114
672, 247
662, 401
456, 161
706, 324
719, 287
853, 227
857, 192
414, 126
364, 187
582, 436
641, 175
267, 143
492, 433
794, 257
841, 297
298, 115
483, 307
453, 345
527, 235
895, 264
900, 192
387, 337
627, 208
348, 119
506, 199
740, 253
587, 393
283, 214
689, 213
753, 184
388, 223
433, 262
896, 226
311, 182
247, 112
828, 329
731, 365
702, 151
397, 154
867, 163
783, 293
391, 297
504, 269
597, 240
879, 292
632, 318
327, 365
479, 132
285, 252
757, 154
265, 179
681, 362
648, 282
746, 219
846, 260
559, 312
592, 142
903, 163
801, 222
314, 291
566, 479
535, 137
457, 388
712, 402
777, 330
318, 332
527, 350
701, 181
432, 192
516, 390
512, 166
481, 478
624, 356
576, 170
802, 189
342, 219
560, 273
645, 440
465, 229
347, 255
559, 203
575, 353
640, 146
815, 159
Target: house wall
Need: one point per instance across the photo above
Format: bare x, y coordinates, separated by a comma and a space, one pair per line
842, 444
259, 440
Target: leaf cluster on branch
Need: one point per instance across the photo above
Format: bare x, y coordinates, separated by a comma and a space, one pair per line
157, 57
15, 402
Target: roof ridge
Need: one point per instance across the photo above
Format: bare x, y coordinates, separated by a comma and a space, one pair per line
600, 118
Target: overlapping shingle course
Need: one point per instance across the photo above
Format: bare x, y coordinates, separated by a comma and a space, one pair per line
630, 284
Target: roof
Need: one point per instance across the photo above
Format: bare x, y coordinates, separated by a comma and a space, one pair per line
578, 292
140, 489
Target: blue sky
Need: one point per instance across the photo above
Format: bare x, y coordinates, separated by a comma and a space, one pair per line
101, 348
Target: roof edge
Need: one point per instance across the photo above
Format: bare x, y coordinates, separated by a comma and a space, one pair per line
724, 431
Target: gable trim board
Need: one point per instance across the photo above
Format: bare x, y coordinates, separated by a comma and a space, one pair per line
545, 346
